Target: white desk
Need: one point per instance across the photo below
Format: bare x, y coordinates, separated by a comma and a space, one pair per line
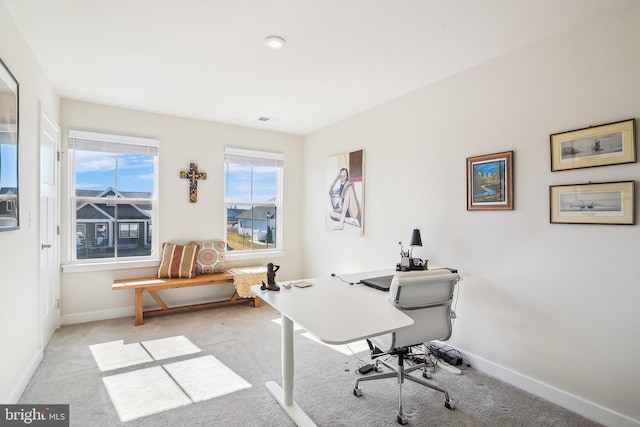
336, 313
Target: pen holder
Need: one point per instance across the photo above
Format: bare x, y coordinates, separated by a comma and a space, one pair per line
405, 262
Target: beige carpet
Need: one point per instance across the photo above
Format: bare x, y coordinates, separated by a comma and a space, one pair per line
208, 368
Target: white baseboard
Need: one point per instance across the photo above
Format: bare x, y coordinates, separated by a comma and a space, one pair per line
19, 388
92, 316
574, 403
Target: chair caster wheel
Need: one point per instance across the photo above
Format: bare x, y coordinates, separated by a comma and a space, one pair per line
402, 420
357, 391
449, 404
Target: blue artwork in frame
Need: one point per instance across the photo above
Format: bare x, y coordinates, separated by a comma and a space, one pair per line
490, 182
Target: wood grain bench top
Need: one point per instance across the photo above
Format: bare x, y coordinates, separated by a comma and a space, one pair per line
154, 283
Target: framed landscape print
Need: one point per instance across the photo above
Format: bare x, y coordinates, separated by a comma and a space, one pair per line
490, 182
601, 203
9, 216
609, 144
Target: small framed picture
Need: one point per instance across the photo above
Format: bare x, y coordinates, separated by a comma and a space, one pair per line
603, 145
599, 203
490, 182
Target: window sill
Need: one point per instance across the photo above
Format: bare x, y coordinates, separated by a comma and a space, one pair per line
109, 265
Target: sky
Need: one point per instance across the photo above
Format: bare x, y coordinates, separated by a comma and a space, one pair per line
8, 165
250, 183
97, 171
488, 167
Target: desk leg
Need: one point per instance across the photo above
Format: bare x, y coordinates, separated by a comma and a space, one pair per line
287, 359
284, 394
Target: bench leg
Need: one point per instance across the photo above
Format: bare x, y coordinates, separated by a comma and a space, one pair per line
257, 302
139, 313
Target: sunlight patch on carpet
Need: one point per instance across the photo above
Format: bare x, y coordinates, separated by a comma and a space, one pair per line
144, 392
115, 354
166, 348
205, 377
356, 346
148, 391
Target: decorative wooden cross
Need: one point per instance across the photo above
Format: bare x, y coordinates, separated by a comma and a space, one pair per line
193, 176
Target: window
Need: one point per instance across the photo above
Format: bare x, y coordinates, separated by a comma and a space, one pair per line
253, 199
114, 189
128, 230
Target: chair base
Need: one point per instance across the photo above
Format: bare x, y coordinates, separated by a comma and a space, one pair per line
402, 374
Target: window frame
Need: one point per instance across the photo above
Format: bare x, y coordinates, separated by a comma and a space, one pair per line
260, 156
112, 230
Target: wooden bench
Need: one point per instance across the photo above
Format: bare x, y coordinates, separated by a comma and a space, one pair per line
153, 284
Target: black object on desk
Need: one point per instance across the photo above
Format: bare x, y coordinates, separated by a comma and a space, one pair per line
382, 283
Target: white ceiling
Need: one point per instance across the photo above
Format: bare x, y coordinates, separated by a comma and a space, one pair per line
206, 59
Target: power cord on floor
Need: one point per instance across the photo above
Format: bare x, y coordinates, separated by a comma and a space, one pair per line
450, 355
363, 366
363, 362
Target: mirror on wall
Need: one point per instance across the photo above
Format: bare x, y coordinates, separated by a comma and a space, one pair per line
9, 217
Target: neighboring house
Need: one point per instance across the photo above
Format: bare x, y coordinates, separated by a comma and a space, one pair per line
8, 211
258, 223
8, 201
97, 223
233, 213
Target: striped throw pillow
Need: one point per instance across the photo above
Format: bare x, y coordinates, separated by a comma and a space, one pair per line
178, 261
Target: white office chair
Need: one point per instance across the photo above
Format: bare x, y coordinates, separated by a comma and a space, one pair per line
425, 296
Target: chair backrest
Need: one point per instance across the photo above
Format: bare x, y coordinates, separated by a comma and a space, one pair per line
425, 296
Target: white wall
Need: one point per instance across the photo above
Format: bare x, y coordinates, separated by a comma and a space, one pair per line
551, 308
87, 295
19, 305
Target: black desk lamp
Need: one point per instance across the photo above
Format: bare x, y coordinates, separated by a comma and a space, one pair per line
416, 240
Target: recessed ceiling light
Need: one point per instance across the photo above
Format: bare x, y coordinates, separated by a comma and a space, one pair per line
275, 42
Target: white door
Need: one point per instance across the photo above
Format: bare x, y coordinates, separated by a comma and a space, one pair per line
49, 230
